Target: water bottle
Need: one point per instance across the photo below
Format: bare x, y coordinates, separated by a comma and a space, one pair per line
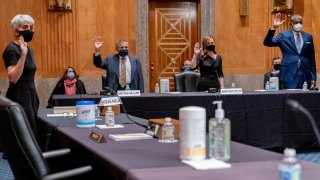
127, 87
305, 86
156, 88
289, 168
97, 112
109, 117
267, 86
167, 131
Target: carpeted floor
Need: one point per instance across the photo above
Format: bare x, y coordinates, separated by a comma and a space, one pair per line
6, 174
5, 171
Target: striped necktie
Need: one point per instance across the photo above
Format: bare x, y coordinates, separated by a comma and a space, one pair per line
123, 79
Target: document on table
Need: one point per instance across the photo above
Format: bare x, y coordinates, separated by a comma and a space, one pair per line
207, 164
129, 136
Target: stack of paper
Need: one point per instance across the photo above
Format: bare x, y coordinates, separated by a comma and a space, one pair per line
129, 136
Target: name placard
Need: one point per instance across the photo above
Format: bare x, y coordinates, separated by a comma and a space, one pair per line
129, 93
109, 101
231, 91
97, 137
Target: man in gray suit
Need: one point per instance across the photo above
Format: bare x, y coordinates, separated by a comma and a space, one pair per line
122, 70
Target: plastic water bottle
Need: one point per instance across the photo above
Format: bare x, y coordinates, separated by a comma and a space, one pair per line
109, 117
97, 112
289, 168
156, 88
167, 131
305, 86
267, 86
127, 87
219, 135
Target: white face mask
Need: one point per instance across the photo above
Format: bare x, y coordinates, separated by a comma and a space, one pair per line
297, 27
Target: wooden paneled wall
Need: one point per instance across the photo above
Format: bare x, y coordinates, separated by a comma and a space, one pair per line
66, 39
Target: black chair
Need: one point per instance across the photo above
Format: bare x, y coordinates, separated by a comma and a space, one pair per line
22, 150
103, 81
186, 81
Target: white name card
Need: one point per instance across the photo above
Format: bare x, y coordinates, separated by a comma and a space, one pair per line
109, 101
129, 93
231, 91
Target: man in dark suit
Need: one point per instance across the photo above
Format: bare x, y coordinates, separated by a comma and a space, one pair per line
298, 56
123, 71
276, 62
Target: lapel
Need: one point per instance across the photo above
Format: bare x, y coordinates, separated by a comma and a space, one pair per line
133, 67
304, 37
116, 64
293, 41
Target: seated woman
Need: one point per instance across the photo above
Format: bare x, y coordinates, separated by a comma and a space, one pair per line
68, 84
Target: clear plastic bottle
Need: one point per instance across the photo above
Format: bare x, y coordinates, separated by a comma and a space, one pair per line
96, 112
267, 86
289, 168
305, 86
109, 117
156, 88
127, 87
167, 130
219, 135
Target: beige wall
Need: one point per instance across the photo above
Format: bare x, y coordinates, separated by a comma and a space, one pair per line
66, 39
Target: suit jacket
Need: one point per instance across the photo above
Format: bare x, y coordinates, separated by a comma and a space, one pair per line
59, 89
285, 40
111, 64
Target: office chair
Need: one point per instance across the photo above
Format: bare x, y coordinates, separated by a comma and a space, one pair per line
103, 80
22, 150
186, 81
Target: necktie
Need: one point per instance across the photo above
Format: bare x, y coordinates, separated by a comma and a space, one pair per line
123, 72
298, 42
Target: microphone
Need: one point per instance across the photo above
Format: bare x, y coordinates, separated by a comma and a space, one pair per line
124, 109
295, 106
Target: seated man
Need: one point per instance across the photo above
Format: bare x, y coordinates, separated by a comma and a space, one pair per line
122, 69
276, 62
187, 66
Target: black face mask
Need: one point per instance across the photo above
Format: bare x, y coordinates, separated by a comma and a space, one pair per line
27, 35
276, 67
210, 47
123, 52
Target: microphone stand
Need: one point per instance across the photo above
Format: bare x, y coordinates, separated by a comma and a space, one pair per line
124, 109
297, 107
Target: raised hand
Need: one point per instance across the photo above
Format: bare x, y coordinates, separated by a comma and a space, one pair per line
97, 43
277, 21
197, 49
23, 46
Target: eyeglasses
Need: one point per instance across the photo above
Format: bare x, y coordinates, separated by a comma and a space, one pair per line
69, 114
70, 71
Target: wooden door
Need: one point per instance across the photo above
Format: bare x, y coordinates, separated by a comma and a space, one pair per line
173, 30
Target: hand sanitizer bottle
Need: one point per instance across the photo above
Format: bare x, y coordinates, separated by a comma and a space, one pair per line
219, 135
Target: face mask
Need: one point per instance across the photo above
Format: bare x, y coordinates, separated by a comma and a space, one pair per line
70, 75
297, 27
187, 68
123, 52
210, 47
276, 67
27, 35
